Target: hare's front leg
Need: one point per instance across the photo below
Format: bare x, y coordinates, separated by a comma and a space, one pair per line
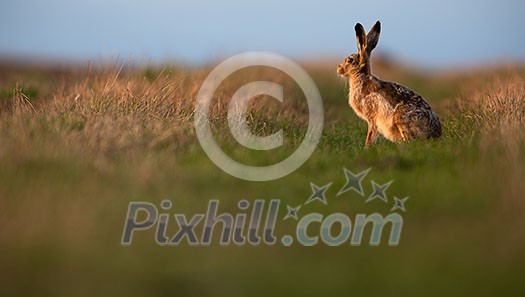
371, 135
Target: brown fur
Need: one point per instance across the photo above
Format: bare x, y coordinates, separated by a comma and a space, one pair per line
393, 110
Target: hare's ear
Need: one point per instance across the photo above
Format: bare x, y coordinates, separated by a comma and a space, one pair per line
361, 37
373, 37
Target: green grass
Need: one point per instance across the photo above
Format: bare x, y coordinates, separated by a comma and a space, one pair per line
66, 181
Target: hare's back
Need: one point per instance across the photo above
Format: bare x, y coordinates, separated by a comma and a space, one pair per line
395, 94
412, 112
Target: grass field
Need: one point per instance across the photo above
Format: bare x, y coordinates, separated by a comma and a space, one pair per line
78, 143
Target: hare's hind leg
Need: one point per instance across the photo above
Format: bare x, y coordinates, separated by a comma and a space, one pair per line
371, 135
397, 133
404, 134
405, 131
405, 123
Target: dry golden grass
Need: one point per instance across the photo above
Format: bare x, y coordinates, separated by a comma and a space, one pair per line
499, 110
114, 109
499, 113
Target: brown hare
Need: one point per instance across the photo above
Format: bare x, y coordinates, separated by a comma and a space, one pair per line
393, 110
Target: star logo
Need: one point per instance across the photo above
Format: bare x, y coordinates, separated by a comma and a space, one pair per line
353, 182
318, 193
292, 212
379, 191
399, 204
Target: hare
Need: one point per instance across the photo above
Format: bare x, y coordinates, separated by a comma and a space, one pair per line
393, 110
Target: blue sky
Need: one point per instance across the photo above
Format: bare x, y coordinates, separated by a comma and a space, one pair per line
427, 33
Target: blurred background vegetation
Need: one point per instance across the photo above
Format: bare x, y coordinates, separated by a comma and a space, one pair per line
79, 142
